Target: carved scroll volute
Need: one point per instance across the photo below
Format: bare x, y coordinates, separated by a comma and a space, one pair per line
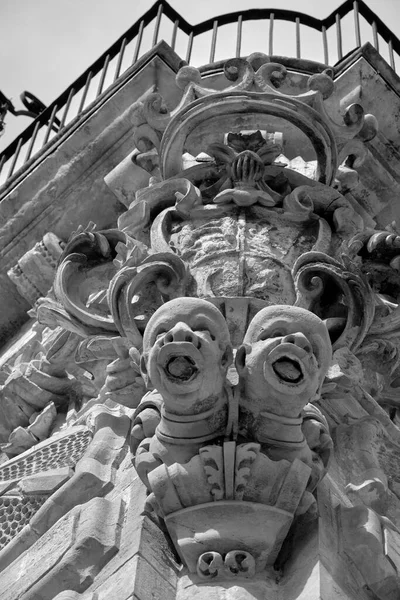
82, 278
137, 291
156, 117
341, 297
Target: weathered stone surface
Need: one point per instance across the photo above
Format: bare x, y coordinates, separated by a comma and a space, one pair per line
94, 476
34, 273
82, 543
126, 179
45, 483
143, 549
137, 580
241, 237
15, 583
96, 540
362, 538
50, 199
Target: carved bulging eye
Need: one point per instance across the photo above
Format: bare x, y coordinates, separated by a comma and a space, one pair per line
275, 333
160, 338
202, 329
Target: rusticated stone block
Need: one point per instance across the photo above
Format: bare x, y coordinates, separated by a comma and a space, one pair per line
136, 580
30, 567
141, 538
70, 555
96, 540
45, 483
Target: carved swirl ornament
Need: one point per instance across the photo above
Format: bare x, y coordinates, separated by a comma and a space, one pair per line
231, 252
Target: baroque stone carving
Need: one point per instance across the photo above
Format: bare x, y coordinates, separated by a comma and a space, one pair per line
186, 353
228, 249
238, 328
34, 272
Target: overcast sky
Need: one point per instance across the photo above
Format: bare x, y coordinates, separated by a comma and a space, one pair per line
46, 44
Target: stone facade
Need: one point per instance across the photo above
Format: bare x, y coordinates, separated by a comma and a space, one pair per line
204, 403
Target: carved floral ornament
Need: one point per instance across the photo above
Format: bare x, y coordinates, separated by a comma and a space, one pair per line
237, 298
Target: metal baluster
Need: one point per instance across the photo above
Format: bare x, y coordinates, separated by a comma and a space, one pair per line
2, 161
138, 42
103, 75
339, 37
32, 142
70, 95
174, 33
239, 36
50, 125
157, 27
189, 48
357, 23
213, 41
375, 34
120, 59
14, 161
297, 37
391, 55
325, 43
271, 34
85, 91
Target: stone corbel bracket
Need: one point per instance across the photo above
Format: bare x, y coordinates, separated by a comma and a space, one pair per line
221, 508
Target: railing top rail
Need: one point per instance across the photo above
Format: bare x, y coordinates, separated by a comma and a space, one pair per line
282, 15
199, 28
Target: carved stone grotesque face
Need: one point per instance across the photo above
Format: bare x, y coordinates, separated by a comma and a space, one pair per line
284, 359
186, 353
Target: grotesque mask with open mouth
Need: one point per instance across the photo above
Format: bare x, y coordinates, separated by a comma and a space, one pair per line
186, 353
283, 361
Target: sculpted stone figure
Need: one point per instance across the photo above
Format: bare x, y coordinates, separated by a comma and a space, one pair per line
282, 365
222, 236
186, 354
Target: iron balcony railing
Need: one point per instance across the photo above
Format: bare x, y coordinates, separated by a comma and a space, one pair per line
326, 40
